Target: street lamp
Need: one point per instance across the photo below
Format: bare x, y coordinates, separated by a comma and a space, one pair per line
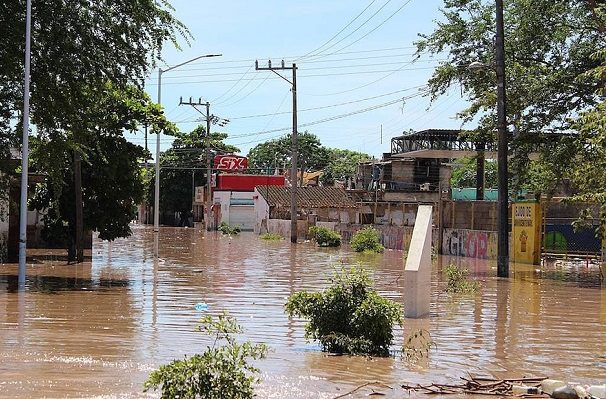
25, 149
157, 182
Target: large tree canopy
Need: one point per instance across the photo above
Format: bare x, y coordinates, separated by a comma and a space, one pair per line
265, 157
549, 45
88, 63
554, 77
313, 156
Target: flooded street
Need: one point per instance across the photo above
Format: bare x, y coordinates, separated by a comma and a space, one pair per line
97, 329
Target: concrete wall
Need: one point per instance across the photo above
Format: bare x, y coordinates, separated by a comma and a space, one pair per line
282, 227
261, 214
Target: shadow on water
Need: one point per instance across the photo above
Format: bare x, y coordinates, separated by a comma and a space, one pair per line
56, 284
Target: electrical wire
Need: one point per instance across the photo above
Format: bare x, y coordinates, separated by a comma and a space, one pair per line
377, 27
339, 32
234, 85
328, 119
354, 31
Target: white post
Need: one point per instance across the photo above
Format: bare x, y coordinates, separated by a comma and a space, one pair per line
25, 149
417, 273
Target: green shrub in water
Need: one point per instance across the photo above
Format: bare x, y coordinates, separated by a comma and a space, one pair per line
325, 237
228, 230
220, 372
458, 281
271, 237
366, 240
349, 316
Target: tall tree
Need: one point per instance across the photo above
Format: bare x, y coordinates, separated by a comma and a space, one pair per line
265, 157
111, 181
554, 73
88, 64
342, 165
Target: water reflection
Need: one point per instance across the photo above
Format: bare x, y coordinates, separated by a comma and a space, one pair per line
98, 328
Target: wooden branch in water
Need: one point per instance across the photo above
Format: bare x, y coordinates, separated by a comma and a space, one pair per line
474, 385
379, 383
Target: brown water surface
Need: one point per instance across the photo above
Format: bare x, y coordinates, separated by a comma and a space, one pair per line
97, 329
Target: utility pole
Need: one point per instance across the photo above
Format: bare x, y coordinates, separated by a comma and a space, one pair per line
209, 119
503, 202
294, 156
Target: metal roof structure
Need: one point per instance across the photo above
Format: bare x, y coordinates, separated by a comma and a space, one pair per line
307, 197
452, 143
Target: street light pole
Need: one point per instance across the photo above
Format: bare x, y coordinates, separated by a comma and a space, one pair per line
157, 180
25, 149
503, 201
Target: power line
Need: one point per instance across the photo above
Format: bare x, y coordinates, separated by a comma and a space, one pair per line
331, 118
234, 85
355, 30
375, 28
306, 76
248, 60
409, 62
247, 94
339, 32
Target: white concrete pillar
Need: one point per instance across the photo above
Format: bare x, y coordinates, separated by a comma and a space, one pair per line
417, 273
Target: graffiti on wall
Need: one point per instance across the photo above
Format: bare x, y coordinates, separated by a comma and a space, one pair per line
469, 243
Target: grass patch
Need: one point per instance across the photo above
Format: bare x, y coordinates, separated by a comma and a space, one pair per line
271, 237
458, 281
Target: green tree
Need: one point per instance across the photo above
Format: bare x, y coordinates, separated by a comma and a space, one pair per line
111, 181
88, 64
264, 157
342, 165
550, 46
464, 173
186, 158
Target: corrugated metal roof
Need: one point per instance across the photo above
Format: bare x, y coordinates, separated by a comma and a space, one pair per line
307, 197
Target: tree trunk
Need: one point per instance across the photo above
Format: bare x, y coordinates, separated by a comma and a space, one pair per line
79, 255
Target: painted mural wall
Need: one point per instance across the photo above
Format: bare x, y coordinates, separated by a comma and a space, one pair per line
470, 243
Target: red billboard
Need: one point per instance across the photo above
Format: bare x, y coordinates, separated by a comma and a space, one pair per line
229, 182
230, 163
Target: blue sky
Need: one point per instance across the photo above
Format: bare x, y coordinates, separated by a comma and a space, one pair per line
346, 66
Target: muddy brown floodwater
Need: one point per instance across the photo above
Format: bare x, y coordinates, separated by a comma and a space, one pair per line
97, 329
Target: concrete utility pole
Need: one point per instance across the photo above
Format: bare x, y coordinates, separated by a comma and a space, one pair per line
294, 156
209, 119
502, 211
25, 149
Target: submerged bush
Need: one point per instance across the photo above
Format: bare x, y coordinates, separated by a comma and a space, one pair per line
458, 281
220, 372
325, 237
349, 316
228, 230
271, 237
367, 240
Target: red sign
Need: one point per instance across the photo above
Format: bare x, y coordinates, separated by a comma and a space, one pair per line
230, 163
235, 182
